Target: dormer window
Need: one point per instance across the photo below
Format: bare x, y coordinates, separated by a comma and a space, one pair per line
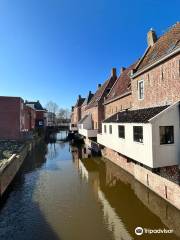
141, 90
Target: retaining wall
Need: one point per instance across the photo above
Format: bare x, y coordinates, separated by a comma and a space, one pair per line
163, 187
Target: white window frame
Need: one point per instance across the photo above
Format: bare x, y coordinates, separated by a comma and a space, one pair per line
139, 82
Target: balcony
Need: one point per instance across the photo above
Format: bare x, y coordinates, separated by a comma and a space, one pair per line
89, 133
73, 127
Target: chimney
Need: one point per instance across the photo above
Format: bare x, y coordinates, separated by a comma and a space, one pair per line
99, 85
113, 72
132, 72
72, 108
89, 92
151, 37
117, 117
79, 96
122, 69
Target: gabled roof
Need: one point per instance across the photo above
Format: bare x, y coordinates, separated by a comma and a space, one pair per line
88, 99
135, 116
166, 44
121, 86
83, 119
79, 102
101, 92
37, 105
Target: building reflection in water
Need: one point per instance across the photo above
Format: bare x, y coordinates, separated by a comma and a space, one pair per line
125, 202
88, 171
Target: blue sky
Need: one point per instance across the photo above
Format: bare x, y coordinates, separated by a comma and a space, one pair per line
57, 49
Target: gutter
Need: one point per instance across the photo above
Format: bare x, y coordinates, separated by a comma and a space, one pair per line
156, 63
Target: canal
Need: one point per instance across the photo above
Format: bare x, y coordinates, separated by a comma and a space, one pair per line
62, 192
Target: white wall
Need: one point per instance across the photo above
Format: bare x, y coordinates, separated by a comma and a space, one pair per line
166, 154
87, 123
151, 153
141, 152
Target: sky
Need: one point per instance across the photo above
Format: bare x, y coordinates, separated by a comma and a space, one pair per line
54, 50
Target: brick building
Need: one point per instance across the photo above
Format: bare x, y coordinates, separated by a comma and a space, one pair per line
76, 113
94, 113
156, 77
41, 113
30, 118
12, 118
149, 133
120, 95
85, 103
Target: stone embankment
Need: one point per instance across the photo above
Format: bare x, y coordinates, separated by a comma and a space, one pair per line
165, 188
12, 155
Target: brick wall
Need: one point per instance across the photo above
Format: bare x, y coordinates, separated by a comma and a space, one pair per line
161, 85
118, 105
94, 113
11, 117
163, 187
166, 212
77, 114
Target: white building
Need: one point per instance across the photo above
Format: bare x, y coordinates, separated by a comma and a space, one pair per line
85, 127
150, 136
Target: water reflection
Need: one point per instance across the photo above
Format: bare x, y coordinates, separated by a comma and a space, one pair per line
62, 192
126, 203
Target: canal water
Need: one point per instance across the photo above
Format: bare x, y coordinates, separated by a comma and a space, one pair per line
62, 192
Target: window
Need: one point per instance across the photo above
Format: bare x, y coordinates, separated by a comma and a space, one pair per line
121, 131
138, 134
166, 134
104, 128
141, 90
110, 129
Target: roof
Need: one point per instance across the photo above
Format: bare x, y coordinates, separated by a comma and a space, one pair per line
135, 116
79, 102
37, 105
166, 44
82, 119
122, 85
100, 93
88, 99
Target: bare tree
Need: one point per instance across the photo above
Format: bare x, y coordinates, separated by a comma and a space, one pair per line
63, 115
52, 107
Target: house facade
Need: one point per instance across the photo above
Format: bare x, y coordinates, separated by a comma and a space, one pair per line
147, 133
120, 95
94, 112
12, 118
41, 113
30, 118
156, 77
76, 113
85, 104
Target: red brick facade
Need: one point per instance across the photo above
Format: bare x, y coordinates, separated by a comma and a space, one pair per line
30, 117
12, 118
118, 105
161, 84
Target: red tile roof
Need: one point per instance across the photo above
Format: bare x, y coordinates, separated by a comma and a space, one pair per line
101, 92
166, 44
79, 102
122, 85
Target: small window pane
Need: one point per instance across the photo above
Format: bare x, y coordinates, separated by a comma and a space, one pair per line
110, 129
166, 134
141, 89
121, 131
138, 134
104, 128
